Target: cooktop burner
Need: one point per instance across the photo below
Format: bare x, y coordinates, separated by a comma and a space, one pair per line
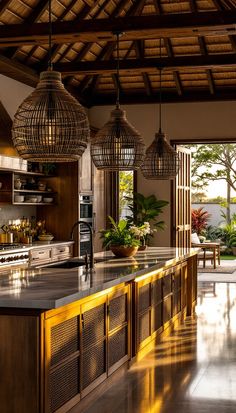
8, 246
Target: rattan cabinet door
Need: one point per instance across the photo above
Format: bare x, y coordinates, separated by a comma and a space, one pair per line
62, 361
94, 344
118, 328
144, 312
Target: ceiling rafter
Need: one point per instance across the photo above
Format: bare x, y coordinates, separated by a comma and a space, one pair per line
56, 47
176, 74
147, 83
178, 82
158, 6
218, 5
210, 81
204, 51
150, 64
135, 27
106, 53
193, 6
32, 18
168, 97
3, 5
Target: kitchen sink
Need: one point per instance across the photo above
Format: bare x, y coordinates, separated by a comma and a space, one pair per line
65, 264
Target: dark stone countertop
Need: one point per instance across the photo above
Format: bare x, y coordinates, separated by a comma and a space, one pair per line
50, 288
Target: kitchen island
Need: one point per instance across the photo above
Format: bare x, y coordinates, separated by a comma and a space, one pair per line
66, 333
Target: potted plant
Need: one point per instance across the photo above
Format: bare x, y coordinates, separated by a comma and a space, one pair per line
146, 209
120, 238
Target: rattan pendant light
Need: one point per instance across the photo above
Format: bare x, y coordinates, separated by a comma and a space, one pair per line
118, 146
161, 160
50, 125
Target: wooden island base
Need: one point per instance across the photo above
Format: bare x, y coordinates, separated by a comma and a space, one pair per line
60, 360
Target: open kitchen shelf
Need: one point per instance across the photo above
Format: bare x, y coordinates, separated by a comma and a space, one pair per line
8, 190
33, 191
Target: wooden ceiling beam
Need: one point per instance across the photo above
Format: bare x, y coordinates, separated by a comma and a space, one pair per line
210, 81
3, 5
233, 42
149, 64
218, 5
147, 83
158, 6
18, 71
178, 83
167, 97
134, 27
193, 6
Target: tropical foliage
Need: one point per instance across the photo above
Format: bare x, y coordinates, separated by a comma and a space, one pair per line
119, 234
199, 220
146, 209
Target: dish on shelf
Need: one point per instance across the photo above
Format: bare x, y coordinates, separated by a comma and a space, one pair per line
45, 237
19, 198
39, 198
32, 199
48, 200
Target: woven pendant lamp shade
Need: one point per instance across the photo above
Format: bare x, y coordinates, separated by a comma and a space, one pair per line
117, 146
50, 125
161, 161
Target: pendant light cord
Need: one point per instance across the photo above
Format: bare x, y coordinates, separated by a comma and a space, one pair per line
160, 94
118, 70
50, 35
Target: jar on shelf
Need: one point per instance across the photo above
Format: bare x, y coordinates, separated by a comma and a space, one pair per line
17, 183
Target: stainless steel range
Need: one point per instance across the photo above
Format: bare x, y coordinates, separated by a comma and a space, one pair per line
13, 255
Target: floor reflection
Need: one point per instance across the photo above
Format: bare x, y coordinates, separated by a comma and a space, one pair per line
193, 371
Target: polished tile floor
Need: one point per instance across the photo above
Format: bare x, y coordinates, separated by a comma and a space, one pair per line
193, 371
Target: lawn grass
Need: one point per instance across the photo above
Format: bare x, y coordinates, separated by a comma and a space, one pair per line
228, 257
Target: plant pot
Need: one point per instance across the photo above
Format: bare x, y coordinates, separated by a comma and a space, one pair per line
122, 251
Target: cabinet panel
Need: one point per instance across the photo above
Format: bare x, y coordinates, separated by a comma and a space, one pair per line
157, 317
64, 384
167, 284
94, 344
40, 256
86, 172
93, 322
61, 252
144, 326
64, 339
118, 346
118, 314
93, 363
167, 309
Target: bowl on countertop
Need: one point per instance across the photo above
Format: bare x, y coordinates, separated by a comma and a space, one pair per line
45, 237
47, 200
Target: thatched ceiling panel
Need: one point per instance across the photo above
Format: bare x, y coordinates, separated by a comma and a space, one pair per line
207, 74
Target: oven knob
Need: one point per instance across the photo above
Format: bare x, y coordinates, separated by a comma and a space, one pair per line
3, 259
9, 258
25, 256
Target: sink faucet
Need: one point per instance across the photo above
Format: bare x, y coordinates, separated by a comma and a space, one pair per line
91, 261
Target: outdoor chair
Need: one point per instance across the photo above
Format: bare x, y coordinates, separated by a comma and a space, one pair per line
210, 250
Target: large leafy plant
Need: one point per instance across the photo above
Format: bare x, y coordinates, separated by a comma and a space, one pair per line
119, 234
200, 220
146, 209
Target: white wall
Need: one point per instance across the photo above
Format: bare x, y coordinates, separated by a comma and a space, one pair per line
12, 93
214, 211
180, 121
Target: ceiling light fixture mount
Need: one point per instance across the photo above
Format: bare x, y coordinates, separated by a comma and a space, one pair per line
161, 160
118, 146
50, 125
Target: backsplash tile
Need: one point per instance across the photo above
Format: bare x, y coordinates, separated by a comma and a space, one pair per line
15, 212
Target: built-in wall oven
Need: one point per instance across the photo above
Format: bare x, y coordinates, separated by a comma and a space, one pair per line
86, 215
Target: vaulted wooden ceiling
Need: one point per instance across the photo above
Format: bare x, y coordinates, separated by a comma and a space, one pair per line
198, 47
